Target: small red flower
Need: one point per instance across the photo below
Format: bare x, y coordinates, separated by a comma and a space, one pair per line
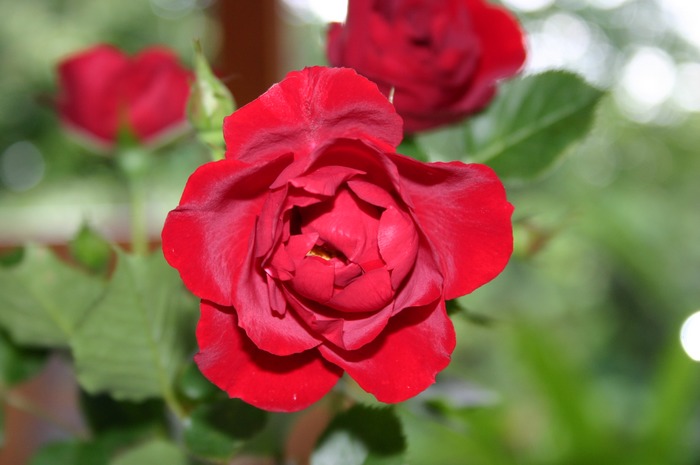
442, 58
317, 249
102, 90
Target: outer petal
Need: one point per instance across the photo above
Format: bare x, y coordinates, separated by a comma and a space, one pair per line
229, 360
404, 359
207, 236
308, 108
502, 54
89, 91
503, 50
466, 219
156, 90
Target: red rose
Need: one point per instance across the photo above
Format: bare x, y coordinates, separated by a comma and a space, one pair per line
102, 90
443, 58
317, 249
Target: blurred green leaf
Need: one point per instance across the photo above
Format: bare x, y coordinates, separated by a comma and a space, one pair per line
103, 413
154, 452
62, 453
217, 430
18, 363
430, 442
132, 342
42, 299
567, 394
97, 451
410, 148
11, 257
91, 250
192, 384
668, 434
531, 123
362, 436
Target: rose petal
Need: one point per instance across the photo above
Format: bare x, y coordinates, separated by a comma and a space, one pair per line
368, 293
232, 362
424, 284
155, 92
346, 224
347, 331
398, 243
314, 279
307, 109
270, 330
88, 101
325, 180
503, 49
207, 236
405, 358
466, 219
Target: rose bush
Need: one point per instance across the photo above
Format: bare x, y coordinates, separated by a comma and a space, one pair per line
103, 91
443, 59
317, 249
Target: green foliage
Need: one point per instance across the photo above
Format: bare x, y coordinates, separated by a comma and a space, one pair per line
18, 363
132, 343
219, 429
91, 250
157, 451
193, 386
362, 436
43, 299
97, 451
105, 414
531, 123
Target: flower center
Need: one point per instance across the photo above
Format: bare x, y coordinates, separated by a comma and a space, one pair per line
322, 252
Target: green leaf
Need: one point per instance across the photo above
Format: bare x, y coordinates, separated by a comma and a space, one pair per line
95, 452
42, 299
362, 436
410, 148
153, 452
91, 250
218, 430
531, 123
133, 341
668, 424
18, 363
193, 386
104, 414
58, 453
11, 257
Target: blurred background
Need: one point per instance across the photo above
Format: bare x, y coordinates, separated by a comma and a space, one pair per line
574, 354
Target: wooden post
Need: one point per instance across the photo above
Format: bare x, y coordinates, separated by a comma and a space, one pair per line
249, 46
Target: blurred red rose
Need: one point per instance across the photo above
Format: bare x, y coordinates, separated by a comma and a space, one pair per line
103, 91
317, 249
443, 58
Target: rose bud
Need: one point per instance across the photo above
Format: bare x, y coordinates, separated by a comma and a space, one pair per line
317, 249
105, 94
442, 59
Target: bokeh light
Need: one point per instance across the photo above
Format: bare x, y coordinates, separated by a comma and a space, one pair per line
21, 166
690, 336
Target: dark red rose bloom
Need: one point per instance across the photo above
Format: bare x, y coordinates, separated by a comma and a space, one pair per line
443, 58
102, 90
317, 249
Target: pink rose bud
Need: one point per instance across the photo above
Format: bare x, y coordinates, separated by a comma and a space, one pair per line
317, 249
442, 58
104, 93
